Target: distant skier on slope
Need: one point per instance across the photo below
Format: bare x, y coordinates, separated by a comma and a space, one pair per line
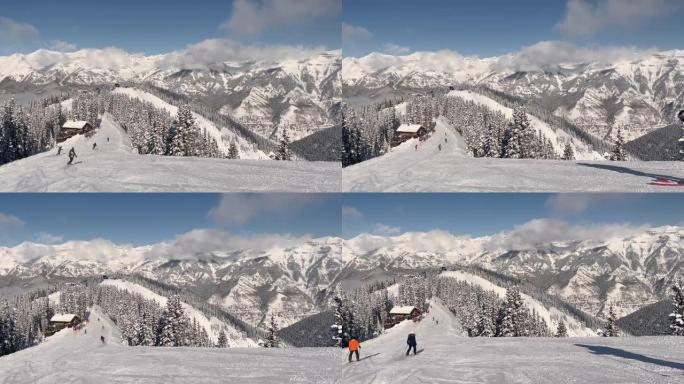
440, 146
416, 147
59, 150
72, 155
94, 146
411, 341
354, 347
102, 339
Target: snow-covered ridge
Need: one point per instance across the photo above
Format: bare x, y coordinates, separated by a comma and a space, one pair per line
212, 325
223, 136
640, 91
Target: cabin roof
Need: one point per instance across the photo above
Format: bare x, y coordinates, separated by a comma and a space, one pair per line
409, 128
402, 310
63, 318
75, 124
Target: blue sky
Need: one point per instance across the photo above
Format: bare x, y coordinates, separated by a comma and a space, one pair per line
489, 213
495, 27
160, 26
150, 218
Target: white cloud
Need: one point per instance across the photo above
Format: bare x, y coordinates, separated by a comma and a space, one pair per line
386, 230
546, 231
238, 209
48, 238
251, 17
62, 46
352, 33
574, 203
201, 243
208, 53
351, 213
549, 54
395, 49
9, 222
584, 18
12, 31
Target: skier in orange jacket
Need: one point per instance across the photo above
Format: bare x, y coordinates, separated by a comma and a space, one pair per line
354, 346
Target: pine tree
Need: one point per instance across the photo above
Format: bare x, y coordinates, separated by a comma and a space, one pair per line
222, 340
485, 322
284, 147
677, 315
519, 136
272, 339
681, 140
611, 329
233, 152
514, 323
568, 153
618, 152
561, 331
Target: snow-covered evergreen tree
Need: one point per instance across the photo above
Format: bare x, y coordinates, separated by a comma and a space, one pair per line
568, 152
611, 328
222, 340
677, 315
284, 152
618, 153
515, 319
272, 339
561, 331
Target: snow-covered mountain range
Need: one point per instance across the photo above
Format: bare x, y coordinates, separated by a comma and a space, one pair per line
628, 270
639, 94
265, 95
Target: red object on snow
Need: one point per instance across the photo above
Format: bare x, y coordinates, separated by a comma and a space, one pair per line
666, 183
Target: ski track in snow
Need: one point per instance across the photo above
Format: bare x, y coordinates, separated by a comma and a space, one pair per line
115, 167
447, 357
452, 170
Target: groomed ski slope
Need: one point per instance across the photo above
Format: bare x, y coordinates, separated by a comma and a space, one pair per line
451, 170
446, 357
115, 167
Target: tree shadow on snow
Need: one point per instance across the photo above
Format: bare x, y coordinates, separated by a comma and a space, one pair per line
630, 171
369, 356
602, 350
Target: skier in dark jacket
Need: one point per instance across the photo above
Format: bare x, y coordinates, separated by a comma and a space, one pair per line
102, 339
411, 341
72, 155
59, 150
94, 146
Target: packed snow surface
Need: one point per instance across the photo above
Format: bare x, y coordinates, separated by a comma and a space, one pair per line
428, 169
445, 357
114, 166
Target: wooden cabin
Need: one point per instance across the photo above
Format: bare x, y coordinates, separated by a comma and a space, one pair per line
408, 131
401, 313
61, 321
72, 128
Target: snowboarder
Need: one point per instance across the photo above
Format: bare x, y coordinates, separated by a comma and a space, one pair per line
72, 155
94, 146
59, 150
102, 339
411, 341
354, 348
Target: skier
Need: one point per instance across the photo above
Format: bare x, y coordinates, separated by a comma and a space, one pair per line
102, 339
416, 147
59, 150
440, 146
354, 348
108, 139
445, 140
72, 155
411, 341
94, 146
85, 331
